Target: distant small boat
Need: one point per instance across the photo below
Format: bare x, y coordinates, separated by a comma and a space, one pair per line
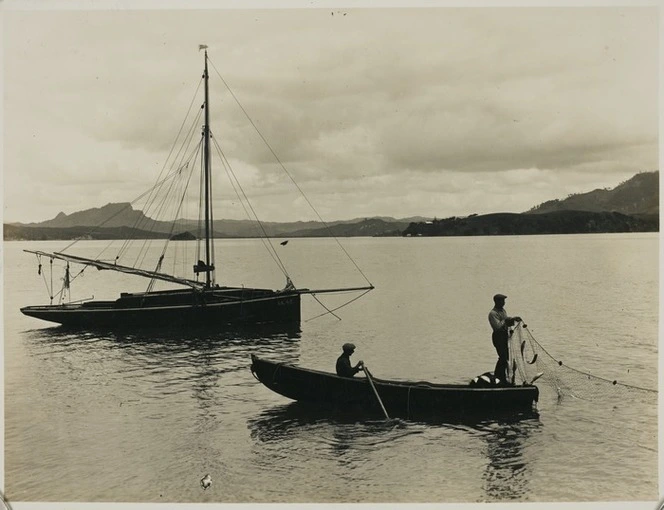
403, 399
183, 236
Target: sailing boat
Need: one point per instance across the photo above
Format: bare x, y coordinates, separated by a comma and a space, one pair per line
198, 301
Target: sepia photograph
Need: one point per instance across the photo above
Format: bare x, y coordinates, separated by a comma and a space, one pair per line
330, 253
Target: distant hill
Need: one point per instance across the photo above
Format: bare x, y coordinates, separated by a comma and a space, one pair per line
635, 202
23, 233
121, 221
370, 227
183, 236
110, 215
632, 206
638, 195
557, 222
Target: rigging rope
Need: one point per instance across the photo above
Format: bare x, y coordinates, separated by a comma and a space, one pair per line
175, 168
159, 198
164, 202
213, 275
40, 272
201, 214
235, 183
66, 280
340, 306
199, 224
182, 194
172, 178
158, 182
126, 243
288, 173
331, 312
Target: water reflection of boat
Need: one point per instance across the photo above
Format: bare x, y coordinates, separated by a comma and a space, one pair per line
285, 421
158, 334
279, 422
412, 400
195, 372
226, 350
506, 474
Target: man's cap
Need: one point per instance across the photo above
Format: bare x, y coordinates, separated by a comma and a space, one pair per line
499, 296
348, 347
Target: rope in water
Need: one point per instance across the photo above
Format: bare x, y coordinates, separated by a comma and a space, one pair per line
567, 379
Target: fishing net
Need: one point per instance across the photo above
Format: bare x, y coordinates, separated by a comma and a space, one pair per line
530, 362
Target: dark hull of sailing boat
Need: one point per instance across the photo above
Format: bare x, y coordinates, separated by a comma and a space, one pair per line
404, 399
178, 308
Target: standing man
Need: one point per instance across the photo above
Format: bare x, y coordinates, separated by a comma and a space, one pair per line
500, 322
344, 368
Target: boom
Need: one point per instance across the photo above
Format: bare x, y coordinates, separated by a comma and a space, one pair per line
122, 269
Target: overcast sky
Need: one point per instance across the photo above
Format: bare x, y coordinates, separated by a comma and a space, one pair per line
374, 111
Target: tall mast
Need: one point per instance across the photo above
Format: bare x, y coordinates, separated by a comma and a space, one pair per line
208, 269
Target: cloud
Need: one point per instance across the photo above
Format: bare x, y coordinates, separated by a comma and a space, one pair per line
378, 109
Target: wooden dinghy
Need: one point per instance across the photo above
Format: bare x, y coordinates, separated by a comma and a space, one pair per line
403, 399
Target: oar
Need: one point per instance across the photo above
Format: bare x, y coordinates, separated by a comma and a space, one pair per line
373, 387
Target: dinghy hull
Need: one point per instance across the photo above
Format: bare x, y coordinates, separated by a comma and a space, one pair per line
404, 399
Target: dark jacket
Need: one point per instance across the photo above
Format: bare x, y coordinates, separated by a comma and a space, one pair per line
344, 368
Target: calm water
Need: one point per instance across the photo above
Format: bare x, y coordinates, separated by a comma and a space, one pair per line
119, 417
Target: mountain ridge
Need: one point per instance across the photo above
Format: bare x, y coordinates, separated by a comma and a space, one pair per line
548, 223
637, 197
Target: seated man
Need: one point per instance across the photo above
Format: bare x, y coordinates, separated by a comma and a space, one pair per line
344, 368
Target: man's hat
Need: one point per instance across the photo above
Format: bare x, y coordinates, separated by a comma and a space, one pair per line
348, 347
499, 296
